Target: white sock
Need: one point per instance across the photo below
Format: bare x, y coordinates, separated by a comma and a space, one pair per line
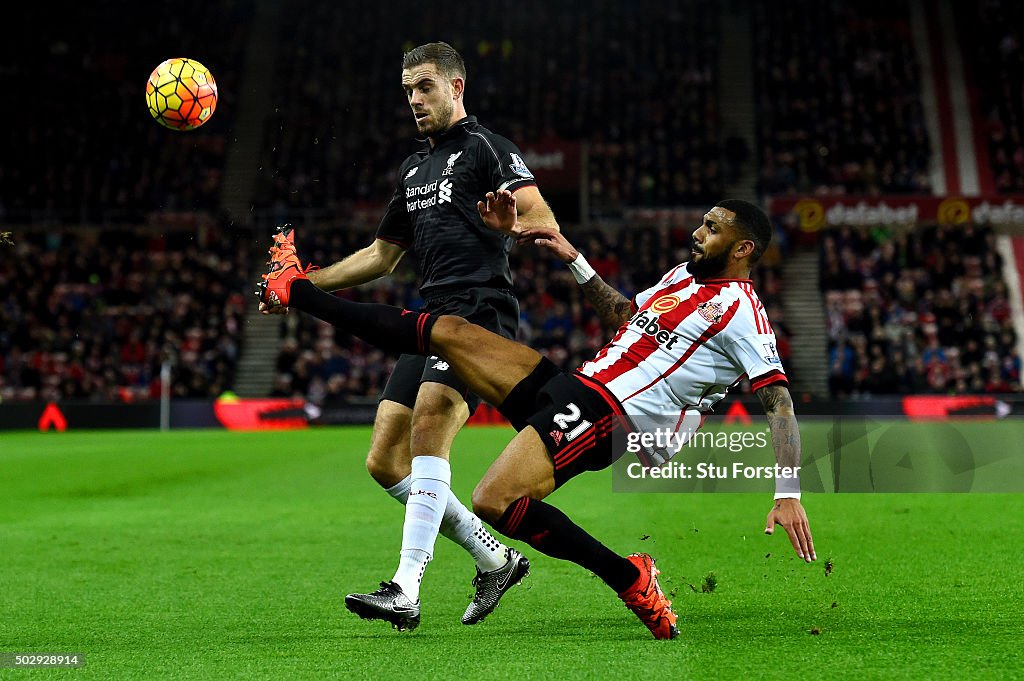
462, 527
468, 531
424, 509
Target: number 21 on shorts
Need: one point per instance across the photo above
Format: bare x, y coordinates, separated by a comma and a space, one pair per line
565, 420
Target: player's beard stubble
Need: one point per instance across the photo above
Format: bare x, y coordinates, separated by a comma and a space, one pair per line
440, 118
709, 266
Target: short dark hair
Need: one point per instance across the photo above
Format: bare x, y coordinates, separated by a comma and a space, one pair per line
442, 55
753, 222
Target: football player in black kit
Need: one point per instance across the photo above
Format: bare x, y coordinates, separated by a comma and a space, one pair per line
465, 272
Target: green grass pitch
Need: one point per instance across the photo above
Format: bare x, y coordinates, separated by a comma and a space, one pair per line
227, 555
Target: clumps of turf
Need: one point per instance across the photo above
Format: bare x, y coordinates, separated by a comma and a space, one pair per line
707, 585
828, 566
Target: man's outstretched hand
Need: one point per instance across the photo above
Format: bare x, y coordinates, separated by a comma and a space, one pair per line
551, 240
498, 211
789, 513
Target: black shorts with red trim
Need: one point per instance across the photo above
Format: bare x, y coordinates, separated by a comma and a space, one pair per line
576, 417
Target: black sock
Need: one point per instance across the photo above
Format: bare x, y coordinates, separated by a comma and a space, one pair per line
550, 531
386, 327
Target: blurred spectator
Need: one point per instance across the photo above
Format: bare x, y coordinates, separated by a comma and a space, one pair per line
999, 71
93, 315
839, 105
923, 311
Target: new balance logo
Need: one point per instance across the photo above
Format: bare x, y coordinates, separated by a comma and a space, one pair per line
441, 365
444, 192
557, 436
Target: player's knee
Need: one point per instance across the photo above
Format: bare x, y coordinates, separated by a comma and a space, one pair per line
435, 405
383, 468
490, 502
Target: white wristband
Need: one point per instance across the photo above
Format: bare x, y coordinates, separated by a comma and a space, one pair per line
581, 269
788, 495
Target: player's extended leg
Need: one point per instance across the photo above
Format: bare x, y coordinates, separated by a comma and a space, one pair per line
509, 498
489, 364
490, 372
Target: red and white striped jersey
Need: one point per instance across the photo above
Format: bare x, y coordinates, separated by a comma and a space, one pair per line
688, 342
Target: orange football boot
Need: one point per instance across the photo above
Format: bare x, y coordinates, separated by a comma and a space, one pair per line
647, 601
284, 268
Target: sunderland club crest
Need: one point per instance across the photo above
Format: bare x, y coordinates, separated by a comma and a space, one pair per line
711, 311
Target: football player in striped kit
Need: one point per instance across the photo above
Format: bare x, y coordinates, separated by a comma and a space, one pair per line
680, 345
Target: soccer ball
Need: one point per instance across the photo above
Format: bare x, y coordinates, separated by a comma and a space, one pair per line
181, 94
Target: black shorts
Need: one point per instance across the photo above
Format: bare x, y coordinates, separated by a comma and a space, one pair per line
496, 310
576, 417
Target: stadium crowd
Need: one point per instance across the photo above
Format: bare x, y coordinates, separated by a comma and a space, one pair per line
838, 100
93, 314
838, 111
999, 68
925, 311
324, 365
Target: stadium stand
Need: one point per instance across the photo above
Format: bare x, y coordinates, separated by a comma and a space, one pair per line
925, 311
839, 104
92, 315
999, 70
839, 111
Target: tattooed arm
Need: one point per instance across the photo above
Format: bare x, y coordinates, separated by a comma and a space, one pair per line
613, 308
787, 510
778, 405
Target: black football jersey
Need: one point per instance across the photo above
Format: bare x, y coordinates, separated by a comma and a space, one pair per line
433, 211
